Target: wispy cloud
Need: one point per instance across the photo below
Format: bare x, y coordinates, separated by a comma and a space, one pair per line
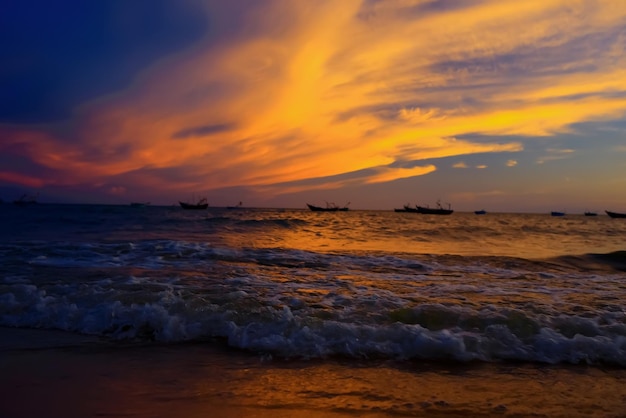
17, 178
206, 130
555, 154
389, 174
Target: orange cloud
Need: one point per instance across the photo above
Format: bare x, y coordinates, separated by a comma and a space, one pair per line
389, 174
320, 89
23, 180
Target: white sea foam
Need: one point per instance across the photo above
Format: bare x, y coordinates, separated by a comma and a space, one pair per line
432, 331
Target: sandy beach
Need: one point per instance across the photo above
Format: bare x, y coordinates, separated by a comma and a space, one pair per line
80, 376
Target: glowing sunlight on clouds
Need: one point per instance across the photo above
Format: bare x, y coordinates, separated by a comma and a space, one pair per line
317, 89
388, 174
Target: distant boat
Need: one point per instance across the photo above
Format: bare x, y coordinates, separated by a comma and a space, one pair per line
615, 214
406, 208
200, 204
480, 212
330, 207
439, 210
434, 211
139, 204
239, 206
555, 213
587, 213
26, 200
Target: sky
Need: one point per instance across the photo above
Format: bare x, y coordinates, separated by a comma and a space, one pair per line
503, 105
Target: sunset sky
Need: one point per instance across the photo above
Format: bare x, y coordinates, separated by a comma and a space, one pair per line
496, 104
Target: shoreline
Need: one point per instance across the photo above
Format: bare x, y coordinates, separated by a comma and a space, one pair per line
81, 377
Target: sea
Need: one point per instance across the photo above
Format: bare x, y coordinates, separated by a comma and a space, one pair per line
288, 312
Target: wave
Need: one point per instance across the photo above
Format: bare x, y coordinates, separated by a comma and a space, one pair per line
294, 284
290, 326
611, 261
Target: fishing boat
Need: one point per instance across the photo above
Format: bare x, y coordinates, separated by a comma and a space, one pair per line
615, 214
406, 208
556, 213
433, 211
26, 200
439, 210
139, 204
238, 206
480, 212
200, 204
330, 207
587, 213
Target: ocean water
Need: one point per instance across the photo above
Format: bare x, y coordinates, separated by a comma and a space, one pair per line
468, 291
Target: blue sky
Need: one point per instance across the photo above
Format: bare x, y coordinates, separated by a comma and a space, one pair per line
502, 105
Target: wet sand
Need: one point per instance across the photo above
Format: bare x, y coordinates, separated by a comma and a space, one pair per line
53, 374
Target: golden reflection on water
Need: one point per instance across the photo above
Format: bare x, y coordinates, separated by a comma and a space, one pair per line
202, 380
380, 389
516, 235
